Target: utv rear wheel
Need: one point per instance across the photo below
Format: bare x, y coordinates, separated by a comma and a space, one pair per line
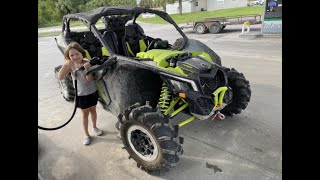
150, 140
65, 85
240, 92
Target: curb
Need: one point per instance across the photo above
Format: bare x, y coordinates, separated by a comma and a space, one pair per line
259, 35
250, 35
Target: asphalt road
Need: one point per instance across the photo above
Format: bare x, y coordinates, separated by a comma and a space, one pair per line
245, 146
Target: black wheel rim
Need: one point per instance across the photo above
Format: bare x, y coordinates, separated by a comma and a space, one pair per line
142, 143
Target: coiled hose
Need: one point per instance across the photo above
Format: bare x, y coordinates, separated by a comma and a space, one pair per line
74, 110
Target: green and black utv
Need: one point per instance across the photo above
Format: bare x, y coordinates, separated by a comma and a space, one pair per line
145, 81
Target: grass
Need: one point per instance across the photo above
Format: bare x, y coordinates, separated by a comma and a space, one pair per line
47, 34
72, 22
194, 16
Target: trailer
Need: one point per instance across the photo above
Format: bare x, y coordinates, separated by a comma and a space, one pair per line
215, 25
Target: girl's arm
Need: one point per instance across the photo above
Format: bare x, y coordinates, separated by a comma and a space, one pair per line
66, 68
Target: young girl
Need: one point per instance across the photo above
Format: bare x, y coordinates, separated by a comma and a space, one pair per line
87, 92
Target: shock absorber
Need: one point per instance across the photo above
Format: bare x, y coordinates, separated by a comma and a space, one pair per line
165, 98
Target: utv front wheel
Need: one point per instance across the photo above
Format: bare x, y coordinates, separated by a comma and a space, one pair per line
238, 94
152, 142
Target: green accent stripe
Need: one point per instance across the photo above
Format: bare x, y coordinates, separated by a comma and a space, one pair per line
129, 49
100, 93
273, 19
87, 54
142, 45
105, 52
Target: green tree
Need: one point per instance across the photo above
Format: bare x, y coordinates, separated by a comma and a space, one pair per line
51, 11
146, 3
40, 19
100, 3
70, 6
64, 6
123, 2
95, 4
47, 13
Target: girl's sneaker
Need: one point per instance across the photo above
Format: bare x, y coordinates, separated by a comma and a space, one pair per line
87, 140
97, 131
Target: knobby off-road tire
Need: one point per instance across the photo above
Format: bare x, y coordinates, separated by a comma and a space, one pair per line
150, 140
65, 85
240, 92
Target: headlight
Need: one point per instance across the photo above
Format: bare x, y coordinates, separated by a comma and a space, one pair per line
191, 84
180, 86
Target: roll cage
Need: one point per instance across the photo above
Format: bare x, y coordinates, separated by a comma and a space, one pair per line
90, 18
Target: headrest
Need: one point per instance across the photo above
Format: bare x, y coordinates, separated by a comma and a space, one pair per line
106, 34
137, 28
90, 38
130, 31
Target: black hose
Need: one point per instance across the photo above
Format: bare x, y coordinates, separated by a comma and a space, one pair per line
74, 111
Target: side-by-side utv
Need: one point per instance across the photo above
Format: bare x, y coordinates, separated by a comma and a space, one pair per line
145, 81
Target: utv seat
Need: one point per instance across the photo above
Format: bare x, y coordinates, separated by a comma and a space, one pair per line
112, 41
74, 36
133, 40
91, 45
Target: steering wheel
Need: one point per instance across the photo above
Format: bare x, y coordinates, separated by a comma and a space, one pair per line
152, 43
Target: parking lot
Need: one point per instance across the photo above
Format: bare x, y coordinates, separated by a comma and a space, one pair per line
245, 146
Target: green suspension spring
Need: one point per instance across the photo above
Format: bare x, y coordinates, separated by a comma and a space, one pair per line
165, 98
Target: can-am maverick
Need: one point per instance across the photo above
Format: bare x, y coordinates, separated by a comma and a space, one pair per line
146, 81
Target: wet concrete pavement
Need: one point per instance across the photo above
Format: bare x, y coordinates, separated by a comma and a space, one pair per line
245, 146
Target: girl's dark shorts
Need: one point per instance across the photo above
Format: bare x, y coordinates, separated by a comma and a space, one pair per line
84, 102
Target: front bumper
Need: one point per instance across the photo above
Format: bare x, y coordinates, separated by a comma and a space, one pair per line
202, 106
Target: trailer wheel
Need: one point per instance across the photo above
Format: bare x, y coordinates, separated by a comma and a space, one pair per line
200, 28
215, 28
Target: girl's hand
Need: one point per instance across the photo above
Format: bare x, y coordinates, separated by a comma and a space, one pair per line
87, 65
68, 63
